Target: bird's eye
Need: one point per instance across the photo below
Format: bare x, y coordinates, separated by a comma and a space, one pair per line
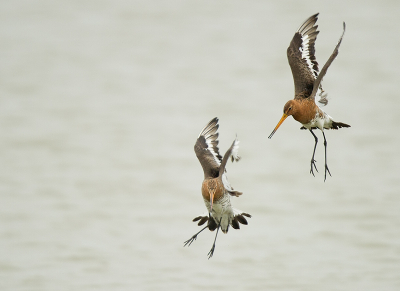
290, 108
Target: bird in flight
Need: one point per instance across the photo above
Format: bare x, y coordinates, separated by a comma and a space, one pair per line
307, 85
216, 190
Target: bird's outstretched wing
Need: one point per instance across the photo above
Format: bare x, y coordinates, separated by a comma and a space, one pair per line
301, 57
232, 153
206, 149
317, 83
302, 60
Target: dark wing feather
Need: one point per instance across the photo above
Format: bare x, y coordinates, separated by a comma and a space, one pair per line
206, 149
301, 57
317, 82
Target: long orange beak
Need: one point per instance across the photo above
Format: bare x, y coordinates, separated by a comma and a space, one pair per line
211, 200
279, 124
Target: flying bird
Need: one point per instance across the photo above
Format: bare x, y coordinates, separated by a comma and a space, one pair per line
307, 85
216, 190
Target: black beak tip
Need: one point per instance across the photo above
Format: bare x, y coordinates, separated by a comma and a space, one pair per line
270, 136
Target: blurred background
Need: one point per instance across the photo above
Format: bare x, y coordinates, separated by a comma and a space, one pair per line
101, 103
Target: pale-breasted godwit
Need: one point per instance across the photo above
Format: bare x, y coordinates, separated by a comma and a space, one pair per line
216, 189
307, 85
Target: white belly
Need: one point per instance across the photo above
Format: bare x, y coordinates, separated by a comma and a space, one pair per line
321, 122
222, 211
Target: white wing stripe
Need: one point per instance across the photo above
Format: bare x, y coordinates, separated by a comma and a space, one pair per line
211, 149
305, 54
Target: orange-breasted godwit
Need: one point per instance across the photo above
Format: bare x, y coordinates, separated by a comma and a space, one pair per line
216, 189
307, 85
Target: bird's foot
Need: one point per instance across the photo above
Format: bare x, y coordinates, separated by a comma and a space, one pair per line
211, 252
327, 170
313, 165
189, 241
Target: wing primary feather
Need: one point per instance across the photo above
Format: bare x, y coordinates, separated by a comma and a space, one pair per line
206, 149
317, 82
301, 57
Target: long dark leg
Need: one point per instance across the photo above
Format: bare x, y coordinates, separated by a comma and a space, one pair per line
312, 159
211, 252
326, 164
193, 238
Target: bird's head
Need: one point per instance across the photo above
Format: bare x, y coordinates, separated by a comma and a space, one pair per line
288, 109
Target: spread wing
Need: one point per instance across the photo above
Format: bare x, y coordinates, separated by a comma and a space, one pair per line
206, 149
302, 61
232, 153
318, 81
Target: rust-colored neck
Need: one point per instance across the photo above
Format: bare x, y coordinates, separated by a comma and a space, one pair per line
212, 186
303, 110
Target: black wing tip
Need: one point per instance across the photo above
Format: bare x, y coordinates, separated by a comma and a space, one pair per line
309, 22
210, 131
313, 18
213, 121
